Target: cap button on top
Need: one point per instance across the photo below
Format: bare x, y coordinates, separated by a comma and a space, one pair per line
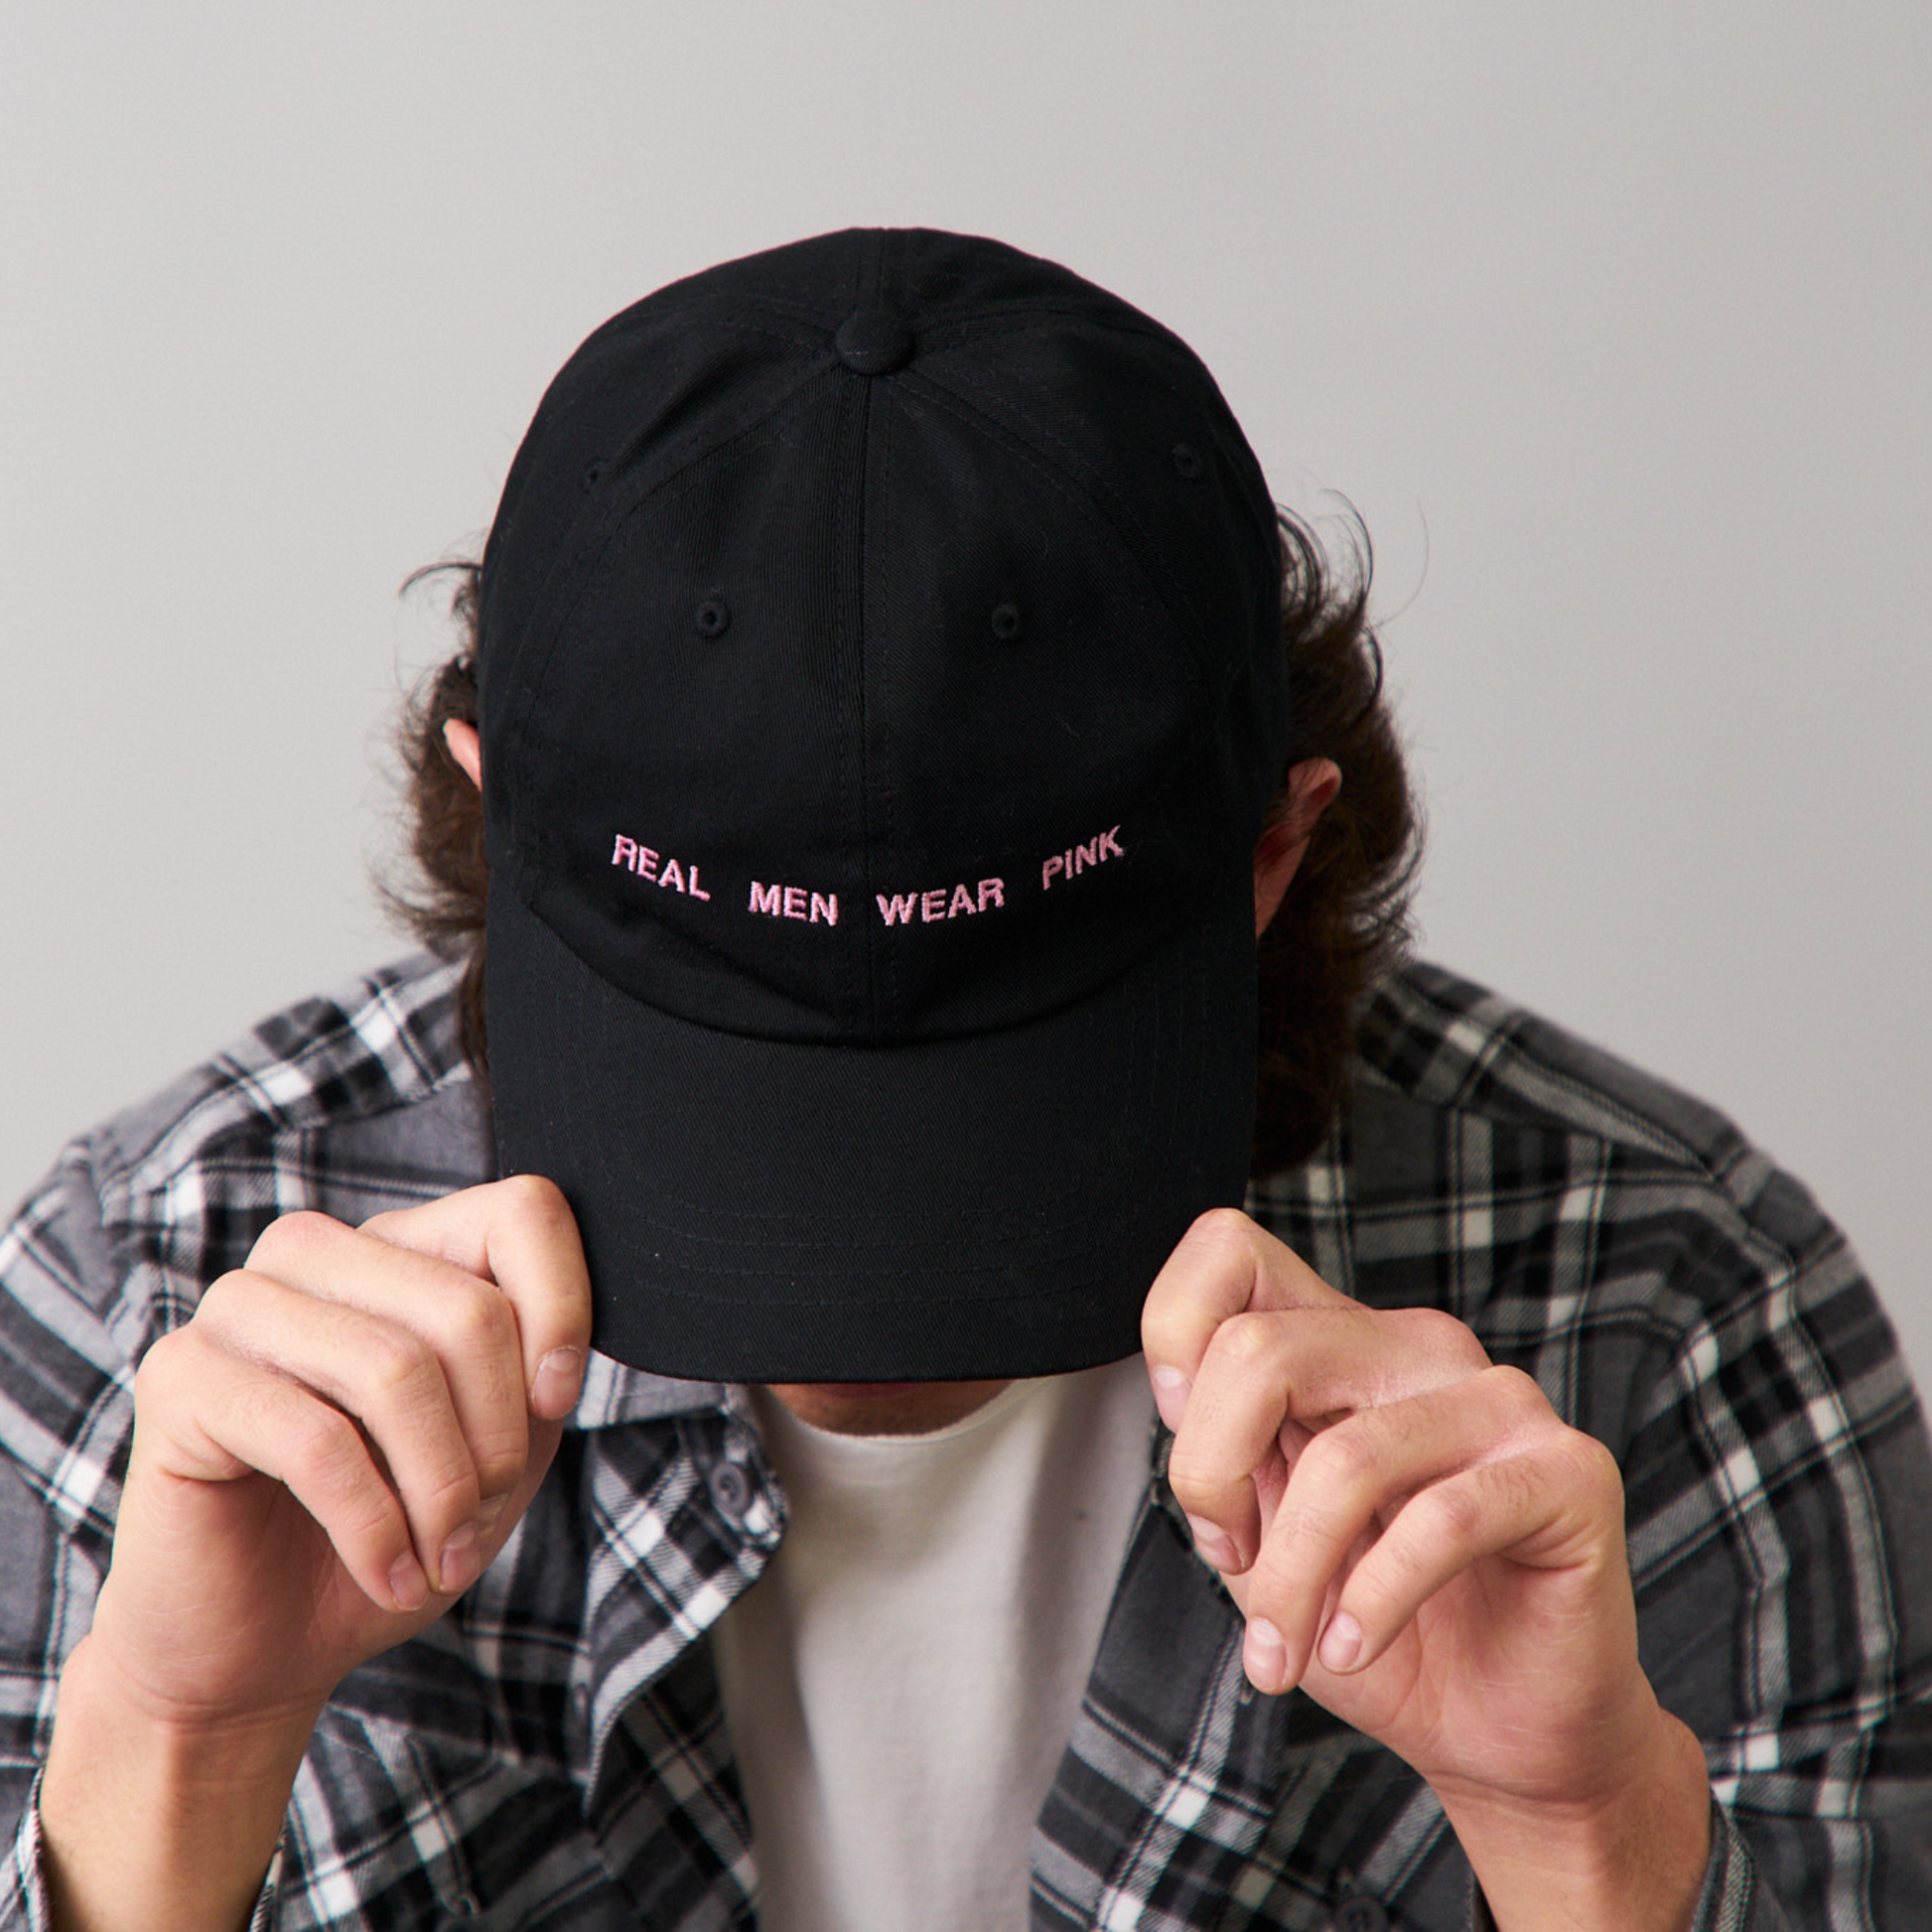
873, 341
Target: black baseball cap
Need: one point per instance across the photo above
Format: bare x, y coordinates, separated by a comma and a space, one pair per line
882, 690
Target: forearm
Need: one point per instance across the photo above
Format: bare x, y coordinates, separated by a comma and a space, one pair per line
151, 1825
1634, 1861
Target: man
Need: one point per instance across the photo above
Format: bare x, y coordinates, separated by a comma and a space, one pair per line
880, 760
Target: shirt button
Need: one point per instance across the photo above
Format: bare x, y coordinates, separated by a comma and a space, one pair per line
729, 1489
1360, 1915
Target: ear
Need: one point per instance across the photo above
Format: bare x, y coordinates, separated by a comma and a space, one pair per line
1311, 788
465, 747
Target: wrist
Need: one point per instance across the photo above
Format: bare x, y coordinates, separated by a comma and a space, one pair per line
1627, 1856
157, 1819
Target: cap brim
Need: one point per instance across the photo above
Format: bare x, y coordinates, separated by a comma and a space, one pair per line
759, 1210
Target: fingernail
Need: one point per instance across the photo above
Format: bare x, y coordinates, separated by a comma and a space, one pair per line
458, 1560
1341, 1642
1171, 1394
407, 1583
560, 1380
1215, 1544
1264, 1655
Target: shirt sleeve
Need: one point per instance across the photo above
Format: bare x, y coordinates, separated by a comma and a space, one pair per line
1778, 1485
23, 1891
65, 1419
68, 1335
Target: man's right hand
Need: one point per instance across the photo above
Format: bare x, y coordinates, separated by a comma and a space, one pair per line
324, 1458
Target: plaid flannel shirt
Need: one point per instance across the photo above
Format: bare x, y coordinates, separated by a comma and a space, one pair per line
553, 1754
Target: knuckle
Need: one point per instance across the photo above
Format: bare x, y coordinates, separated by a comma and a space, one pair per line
1245, 1343
1443, 1336
1516, 1385
374, 1522
1324, 1524
453, 1497
1222, 1235
1279, 1582
400, 1368
295, 1236
476, 1318
1197, 1486
535, 1197
499, 1468
1224, 1224
178, 1368
1596, 1468
158, 1370
215, 1297
1186, 1477
1448, 1513
394, 1359
1343, 1461
1519, 1396
1165, 1330
1162, 1342
326, 1449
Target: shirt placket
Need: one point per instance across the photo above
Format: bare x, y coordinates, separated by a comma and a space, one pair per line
687, 1514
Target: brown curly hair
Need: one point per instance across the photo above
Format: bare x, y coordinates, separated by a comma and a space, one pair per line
1343, 923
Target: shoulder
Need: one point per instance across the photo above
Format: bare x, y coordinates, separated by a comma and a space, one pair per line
350, 1102
1461, 1091
348, 1095
1444, 1045
1560, 1200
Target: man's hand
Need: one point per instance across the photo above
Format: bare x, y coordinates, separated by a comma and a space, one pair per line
1421, 1544
323, 1458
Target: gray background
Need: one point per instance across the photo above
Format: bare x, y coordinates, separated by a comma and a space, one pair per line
1609, 321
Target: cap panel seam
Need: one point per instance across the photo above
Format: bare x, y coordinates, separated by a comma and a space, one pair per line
868, 268
1065, 486
797, 323
582, 550
1118, 511
867, 275
697, 438
854, 596
876, 966
585, 557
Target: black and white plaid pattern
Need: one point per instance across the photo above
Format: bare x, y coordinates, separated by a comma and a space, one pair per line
553, 1754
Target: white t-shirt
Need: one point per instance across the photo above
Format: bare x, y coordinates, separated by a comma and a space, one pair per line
901, 1683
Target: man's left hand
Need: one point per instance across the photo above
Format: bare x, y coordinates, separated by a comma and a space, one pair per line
1418, 1541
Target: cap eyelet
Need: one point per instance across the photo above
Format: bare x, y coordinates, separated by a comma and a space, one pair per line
714, 616
1187, 460
593, 476
1005, 622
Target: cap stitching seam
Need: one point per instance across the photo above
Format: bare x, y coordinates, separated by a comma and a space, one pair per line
585, 559
863, 631
1063, 485
1119, 510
